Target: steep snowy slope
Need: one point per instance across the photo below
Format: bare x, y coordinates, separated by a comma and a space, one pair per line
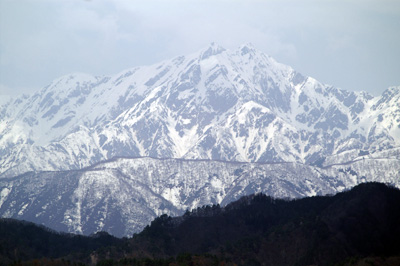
216, 104
238, 121
122, 196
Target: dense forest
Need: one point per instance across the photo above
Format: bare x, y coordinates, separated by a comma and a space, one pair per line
356, 227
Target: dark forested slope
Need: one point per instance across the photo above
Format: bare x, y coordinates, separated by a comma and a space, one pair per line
255, 230
319, 230
23, 241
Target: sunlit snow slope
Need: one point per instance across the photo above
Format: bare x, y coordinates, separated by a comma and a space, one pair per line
215, 104
92, 153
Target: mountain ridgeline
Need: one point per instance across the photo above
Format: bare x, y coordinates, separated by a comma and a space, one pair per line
123, 195
215, 104
352, 227
87, 154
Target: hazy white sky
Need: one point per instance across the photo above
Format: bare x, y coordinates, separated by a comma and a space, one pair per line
351, 44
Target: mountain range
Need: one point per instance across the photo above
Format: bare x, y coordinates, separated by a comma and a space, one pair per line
89, 153
216, 104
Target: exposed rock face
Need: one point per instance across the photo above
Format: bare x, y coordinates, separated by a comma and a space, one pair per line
215, 104
217, 107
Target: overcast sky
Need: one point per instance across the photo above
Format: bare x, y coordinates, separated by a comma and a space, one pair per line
353, 44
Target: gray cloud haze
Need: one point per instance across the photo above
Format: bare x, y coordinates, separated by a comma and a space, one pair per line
351, 44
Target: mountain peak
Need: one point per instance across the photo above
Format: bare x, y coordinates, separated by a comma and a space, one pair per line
193, 101
247, 48
213, 49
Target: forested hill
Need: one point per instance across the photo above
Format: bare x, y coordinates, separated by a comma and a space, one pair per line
258, 229
353, 226
22, 241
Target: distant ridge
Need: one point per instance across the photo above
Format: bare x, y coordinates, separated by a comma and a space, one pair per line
123, 195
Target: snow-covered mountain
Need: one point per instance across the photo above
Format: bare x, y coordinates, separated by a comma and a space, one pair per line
215, 104
92, 153
123, 195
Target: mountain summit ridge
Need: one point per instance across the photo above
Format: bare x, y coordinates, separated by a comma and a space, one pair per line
88, 153
215, 104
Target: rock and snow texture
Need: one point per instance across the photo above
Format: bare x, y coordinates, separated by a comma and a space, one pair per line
123, 195
236, 122
215, 104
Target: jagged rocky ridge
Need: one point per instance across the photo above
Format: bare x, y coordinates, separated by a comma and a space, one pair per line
236, 122
216, 104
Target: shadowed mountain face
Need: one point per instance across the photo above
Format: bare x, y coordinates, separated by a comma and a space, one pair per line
255, 230
215, 104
